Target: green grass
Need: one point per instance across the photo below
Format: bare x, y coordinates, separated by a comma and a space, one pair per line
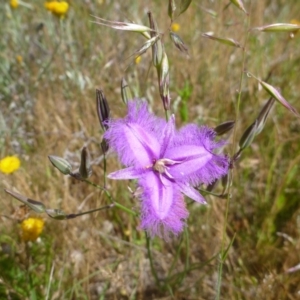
47, 107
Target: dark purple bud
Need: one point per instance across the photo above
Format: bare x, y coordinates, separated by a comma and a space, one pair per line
224, 127
85, 169
104, 146
102, 109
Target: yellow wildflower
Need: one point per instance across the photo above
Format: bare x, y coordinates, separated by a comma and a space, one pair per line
9, 164
296, 22
175, 27
137, 60
19, 59
14, 3
31, 229
58, 8
50, 5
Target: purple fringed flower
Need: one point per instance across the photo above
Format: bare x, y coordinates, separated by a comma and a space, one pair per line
166, 163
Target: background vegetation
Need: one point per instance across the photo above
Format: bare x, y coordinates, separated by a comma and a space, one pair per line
50, 68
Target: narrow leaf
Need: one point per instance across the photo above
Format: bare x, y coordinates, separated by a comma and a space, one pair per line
226, 41
178, 42
263, 115
157, 48
248, 135
37, 206
278, 27
276, 94
123, 25
184, 5
125, 91
239, 4
225, 253
146, 46
171, 9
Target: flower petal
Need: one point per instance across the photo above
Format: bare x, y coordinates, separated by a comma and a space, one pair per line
192, 193
167, 135
195, 146
144, 145
160, 193
163, 207
128, 173
135, 138
192, 159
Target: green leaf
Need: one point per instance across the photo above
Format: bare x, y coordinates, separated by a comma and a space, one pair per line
184, 5
226, 41
278, 27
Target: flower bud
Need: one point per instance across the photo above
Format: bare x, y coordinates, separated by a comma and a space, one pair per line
103, 110
164, 80
61, 164
85, 169
104, 146
56, 214
224, 127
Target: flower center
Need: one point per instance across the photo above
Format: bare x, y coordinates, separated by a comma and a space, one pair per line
161, 166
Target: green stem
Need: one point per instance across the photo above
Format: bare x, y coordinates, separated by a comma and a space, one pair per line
187, 257
222, 196
104, 170
237, 113
153, 271
167, 114
118, 205
175, 259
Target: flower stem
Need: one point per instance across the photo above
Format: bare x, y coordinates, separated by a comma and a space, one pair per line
153, 271
237, 113
167, 114
104, 170
118, 205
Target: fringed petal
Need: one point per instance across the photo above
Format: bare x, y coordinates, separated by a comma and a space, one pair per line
192, 193
163, 207
135, 138
128, 173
